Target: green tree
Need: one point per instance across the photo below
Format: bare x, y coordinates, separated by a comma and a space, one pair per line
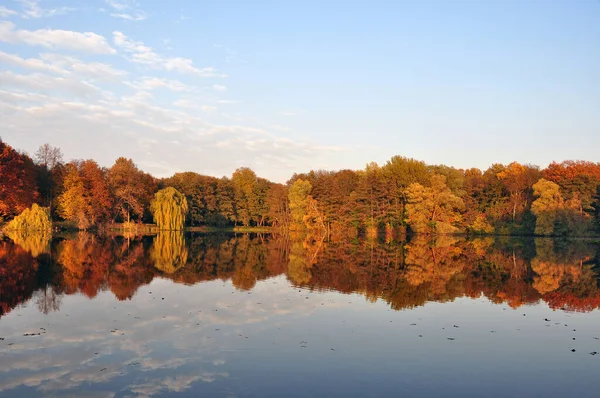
169, 209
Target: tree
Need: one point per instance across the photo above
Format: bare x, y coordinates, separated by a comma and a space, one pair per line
32, 230
85, 197
35, 218
549, 201
516, 179
244, 182
132, 189
72, 202
298, 196
18, 189
49, 159
277, 202
433, 210
169, 209
401, 172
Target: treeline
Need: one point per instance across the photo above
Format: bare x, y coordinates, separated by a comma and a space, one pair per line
402, 196
404, 274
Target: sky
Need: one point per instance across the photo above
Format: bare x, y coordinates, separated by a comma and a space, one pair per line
287, 86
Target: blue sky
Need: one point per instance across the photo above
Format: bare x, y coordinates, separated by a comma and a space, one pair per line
288, 86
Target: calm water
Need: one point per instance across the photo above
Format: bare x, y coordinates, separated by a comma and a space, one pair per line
220, 315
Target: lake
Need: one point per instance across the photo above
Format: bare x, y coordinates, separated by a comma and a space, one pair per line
259, 315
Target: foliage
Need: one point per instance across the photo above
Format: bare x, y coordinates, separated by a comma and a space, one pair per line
85, 197
132, 189
376, 201
35, 218
18, 189
169, 209
433, 210
299, 194
32, 230
481, 226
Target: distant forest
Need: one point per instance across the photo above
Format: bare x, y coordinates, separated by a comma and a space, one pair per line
401, 196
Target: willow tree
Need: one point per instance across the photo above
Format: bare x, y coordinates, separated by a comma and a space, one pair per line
32, 230
169, 209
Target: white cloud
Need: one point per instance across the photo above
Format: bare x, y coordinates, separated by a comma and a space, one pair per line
5, 12
142, 54
40, 82
94, 70
128, 10
56, 39
152, 83
32, 9
218, 87
289, 112
226, 102
64, 65
30, 63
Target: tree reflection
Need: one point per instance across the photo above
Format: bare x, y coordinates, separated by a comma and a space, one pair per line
404, 274
168, 251
36, 242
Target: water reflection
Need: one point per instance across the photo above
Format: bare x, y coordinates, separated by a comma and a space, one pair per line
404, 274
255, 315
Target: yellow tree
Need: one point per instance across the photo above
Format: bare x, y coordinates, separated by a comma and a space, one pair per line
433, 210
32, 230
545, 207
516, 179
72, 203
299, 197
169, 209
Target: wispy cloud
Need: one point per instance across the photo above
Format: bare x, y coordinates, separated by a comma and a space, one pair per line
32, 10
56, 39
152, 83
5, 12
218, 87
127, 9
142, 54
290, 112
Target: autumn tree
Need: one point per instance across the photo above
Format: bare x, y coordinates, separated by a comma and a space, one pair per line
169, 208
32, 230
549, 201
85, 197
49, 160
132, 189
299, 194
433, 210
244, 182
18, 189
72, 204
277, 202
400, 173
516, 179
579, 182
